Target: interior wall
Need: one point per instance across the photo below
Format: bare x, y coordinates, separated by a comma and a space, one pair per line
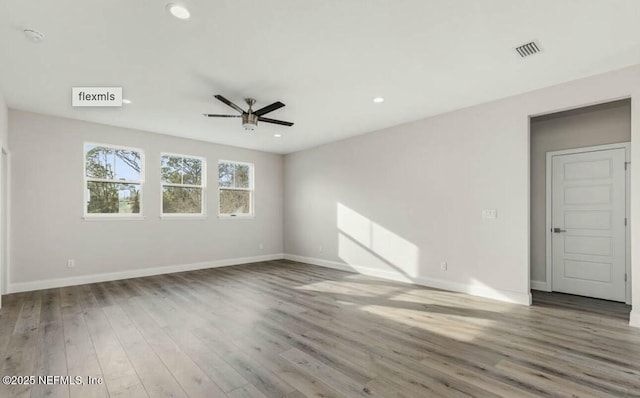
4, 122
400, 201
47, 197
4, 141
597, 125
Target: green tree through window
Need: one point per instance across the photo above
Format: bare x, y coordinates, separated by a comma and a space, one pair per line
235, 186
113, 180
182, 184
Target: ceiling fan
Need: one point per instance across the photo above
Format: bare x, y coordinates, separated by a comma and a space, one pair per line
250, 117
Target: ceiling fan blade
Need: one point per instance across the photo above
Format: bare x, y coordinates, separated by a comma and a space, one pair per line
268, 108
274, 121
214, 115
231, 104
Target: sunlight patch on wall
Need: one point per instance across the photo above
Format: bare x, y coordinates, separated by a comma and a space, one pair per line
364, 260
357, 226
364, 243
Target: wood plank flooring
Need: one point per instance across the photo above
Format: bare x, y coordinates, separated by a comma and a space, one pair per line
285, 329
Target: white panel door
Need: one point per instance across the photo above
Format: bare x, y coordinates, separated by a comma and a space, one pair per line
588, 223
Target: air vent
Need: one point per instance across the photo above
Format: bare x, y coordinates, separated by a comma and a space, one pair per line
528, 49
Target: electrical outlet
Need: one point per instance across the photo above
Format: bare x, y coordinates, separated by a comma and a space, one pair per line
320, 249
260, 246
71, 263
443, 265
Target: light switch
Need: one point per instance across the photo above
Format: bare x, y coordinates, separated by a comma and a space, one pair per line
489, 214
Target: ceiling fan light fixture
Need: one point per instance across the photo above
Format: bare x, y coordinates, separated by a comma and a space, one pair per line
249, 121
178, 10
378, 100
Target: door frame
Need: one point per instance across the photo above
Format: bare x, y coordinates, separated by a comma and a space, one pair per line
549, 212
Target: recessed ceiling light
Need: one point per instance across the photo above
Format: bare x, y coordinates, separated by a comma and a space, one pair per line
378, 100
126, 101
179, 11
277, 135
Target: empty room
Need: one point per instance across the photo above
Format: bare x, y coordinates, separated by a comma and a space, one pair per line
249, 199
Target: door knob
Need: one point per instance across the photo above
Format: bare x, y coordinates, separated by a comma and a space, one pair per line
558, 230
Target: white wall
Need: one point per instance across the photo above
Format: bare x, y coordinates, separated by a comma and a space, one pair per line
47, 193
4, 122
399, 201
4, 141
598, 125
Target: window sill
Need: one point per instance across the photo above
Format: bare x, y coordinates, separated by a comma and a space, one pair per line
183, 217
238, 217
113, 218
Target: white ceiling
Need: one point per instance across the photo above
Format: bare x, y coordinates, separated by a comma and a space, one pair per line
325, 60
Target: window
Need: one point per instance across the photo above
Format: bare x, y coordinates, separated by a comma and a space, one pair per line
235, 185
183, 185
113, 180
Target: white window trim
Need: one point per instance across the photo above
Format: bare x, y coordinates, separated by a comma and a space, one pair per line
111, 216
185, 216
252, 190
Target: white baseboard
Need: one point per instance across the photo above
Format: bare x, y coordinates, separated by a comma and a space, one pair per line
475, 290
137, 273
539, 285
634, 318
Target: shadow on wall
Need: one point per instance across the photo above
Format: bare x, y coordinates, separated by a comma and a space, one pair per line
371, 249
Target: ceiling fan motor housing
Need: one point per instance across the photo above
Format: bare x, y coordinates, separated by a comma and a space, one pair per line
249, 121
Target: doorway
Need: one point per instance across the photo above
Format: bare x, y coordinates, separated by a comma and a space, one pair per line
586, 129
587, 235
